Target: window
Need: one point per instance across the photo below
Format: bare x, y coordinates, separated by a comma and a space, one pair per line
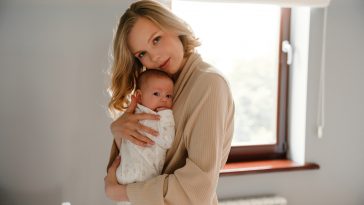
245, 42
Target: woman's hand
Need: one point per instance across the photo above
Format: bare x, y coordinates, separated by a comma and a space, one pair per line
127, 126
113, 190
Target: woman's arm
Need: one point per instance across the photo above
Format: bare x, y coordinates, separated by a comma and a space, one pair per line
207, 136
113, 190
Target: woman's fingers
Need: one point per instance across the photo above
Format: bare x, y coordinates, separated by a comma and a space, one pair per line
116, 162
133, 105
141, 139
138, 142
110, 179
143, 128
133, 135
145, 116
114, 165
148, 130
128, 127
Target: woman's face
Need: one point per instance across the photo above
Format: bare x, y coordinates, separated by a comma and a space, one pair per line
156, 48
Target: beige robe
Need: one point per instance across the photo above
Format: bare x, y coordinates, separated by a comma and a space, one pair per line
203, 110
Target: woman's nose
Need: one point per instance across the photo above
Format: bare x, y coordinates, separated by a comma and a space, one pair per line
155, 57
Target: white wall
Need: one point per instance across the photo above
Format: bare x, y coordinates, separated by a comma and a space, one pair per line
54, 128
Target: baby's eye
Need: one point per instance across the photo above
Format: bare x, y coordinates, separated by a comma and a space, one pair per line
141, 54
169, 96
156, 94
156, 40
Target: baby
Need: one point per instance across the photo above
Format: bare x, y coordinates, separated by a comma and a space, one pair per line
154, 94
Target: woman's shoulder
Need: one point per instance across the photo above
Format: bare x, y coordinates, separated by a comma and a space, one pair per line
208, 75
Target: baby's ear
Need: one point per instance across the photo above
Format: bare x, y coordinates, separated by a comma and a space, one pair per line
138, 95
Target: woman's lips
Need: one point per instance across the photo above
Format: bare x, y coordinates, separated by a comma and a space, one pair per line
165, 64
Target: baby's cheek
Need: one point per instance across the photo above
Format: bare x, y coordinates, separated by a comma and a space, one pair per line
170, 104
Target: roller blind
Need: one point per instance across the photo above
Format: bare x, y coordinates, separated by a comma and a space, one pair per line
283, 3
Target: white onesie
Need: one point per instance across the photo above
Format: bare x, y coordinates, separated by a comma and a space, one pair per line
141, 163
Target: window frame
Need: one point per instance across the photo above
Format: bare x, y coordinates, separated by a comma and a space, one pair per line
278, 150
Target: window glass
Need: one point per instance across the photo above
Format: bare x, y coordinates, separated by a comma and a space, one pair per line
242, 41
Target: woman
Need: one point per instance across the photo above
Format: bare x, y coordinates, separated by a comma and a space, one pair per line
151, 36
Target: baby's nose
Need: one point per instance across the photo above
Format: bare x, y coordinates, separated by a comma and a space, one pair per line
164, 99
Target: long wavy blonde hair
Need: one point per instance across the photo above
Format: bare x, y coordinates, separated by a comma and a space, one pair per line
125, 68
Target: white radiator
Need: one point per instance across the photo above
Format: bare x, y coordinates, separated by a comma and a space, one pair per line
262, 200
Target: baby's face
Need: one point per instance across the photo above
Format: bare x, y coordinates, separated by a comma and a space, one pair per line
157, 94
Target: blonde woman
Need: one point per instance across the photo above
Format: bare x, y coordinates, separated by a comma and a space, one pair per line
150, 36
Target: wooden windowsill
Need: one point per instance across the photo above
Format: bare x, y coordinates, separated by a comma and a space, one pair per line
239, 168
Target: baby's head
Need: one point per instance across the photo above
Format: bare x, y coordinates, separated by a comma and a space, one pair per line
155, 90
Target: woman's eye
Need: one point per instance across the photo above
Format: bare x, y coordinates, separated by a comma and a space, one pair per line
141, 54
156, 94
156, 40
